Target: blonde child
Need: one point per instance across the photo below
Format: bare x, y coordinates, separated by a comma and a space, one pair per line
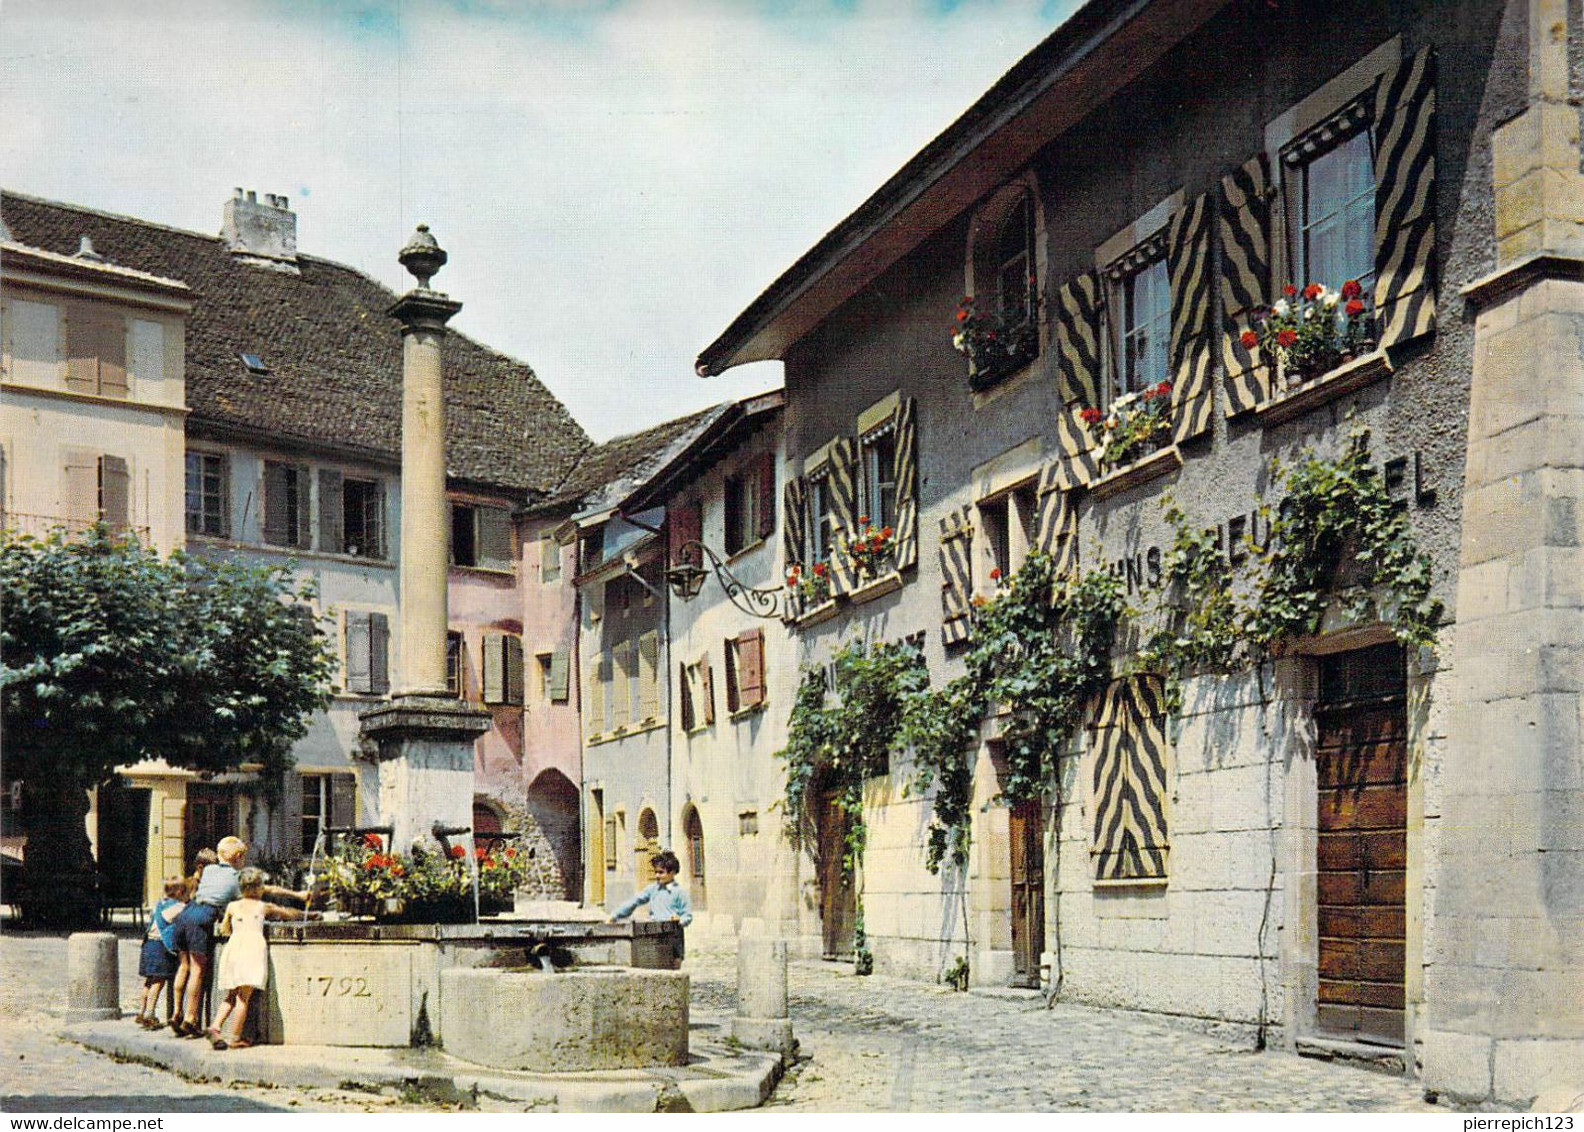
244, 964
158, 962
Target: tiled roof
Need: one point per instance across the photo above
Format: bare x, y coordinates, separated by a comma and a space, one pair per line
609, 472
334, 356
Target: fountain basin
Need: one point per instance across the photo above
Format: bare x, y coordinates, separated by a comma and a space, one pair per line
596, 1018
363, 984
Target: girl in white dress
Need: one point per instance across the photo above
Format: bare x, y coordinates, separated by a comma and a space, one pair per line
244, 964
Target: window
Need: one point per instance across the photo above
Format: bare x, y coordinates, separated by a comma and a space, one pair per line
822, 516
366, 656
207, 505
254, 363
363, 518
1130, 781
750, 504
879, 479
610, 844
503, 668
285, 505
748, 823
542, 662
549, 559
696, 694
328, 801
1336, 221
1014, 263
745, 676
554, 675
95, 351
591, 549
624, 659
481, 536
1145, 327
1008, 525
454, 663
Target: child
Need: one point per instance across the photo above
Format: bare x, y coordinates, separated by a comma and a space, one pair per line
203, 859
244, 964
158, 962
666, 898
217, 887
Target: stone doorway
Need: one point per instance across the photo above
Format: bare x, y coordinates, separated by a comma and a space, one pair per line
1025, 834
1362, 846
838, 897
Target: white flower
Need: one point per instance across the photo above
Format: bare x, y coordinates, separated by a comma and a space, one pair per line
957, 341
1281, 308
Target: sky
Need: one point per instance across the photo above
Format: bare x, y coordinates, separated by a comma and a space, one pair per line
614, 180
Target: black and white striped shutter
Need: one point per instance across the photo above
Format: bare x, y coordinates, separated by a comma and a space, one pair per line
907, 483
1130, 781
1055, 521
1405, 203
1188, 266
794, 528
1076, 308
1245, 224
843, 485
956, 562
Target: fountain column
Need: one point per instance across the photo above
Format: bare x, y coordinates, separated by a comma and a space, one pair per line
422, 741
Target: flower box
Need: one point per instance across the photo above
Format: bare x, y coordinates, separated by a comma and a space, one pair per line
1298, 399
889, 582
995, 344
1162, 461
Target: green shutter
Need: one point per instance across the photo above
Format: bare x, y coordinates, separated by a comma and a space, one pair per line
1188, 265
1245, 236
494, 534
379, 654
277, 519
356, 659
560, 667
332, 534
907, 484
1405, 122
514, 670
494, 668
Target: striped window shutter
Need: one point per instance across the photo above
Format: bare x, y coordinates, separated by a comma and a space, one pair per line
1077, 309
1130, 781
794, 533
1245, 232
115, 484
707, 689
379, 653
514, 669
560, 667
907, 484
357, 652
1405, 122
1188, 265
649, 676
494, 668
1056, 521
956, 558
332, 536
750, 668
843, 484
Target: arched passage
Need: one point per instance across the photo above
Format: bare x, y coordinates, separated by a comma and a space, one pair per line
552, 829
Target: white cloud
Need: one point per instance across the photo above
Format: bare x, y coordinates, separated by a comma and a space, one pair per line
615, 181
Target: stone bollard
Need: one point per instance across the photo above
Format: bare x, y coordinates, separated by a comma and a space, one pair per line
93, 977
762, 1021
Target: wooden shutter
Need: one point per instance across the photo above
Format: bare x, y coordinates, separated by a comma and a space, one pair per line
598, 690
686, 525
514, 669
379, 654
560, 667
1405, 121
625, 666
1245, 237
907, 484
277, 521
111, 335
303, 533
767, 494
794, 534
494, 668
82, 350
1188, 265
843, 486
80, 488
114, 492
750, 668
685, 698
1077, 309
649, 676
956, 559
332, 535
549, 559
358, 678
1056, 522
343, 800
707, 690
733, 664
1130, 781
494, 547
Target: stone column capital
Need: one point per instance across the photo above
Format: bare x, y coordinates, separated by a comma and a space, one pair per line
422, 309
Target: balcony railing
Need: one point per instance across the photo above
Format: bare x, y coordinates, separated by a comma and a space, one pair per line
40, 526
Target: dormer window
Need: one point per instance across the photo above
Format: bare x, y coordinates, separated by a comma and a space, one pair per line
254, 363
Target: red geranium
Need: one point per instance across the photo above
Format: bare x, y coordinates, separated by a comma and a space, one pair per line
1287, 338
1289, 290
995, 575
1249, 339
510, 853
1163, 389
457, 852
372, 841
1091, 416
1354, 308
1312, 292
886, 532
820, 569
1351, 289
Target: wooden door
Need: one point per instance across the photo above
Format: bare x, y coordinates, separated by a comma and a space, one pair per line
210, 815
1028, 892
838, 900
693, 830
1362, 858
596, 847
123, 844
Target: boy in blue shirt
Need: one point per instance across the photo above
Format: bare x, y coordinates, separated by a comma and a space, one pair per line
667, 899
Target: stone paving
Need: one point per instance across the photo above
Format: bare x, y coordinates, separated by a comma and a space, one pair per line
874, 1044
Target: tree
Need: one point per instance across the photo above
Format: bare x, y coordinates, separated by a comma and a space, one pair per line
110, 655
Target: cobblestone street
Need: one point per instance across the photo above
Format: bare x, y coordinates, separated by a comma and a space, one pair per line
876, 1044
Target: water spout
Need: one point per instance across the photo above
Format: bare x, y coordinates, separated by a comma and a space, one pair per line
545, 965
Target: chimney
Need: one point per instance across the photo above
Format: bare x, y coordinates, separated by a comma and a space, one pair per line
264, 231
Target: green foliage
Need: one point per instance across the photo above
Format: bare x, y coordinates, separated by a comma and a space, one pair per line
956, 976
112, 655
863, 958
